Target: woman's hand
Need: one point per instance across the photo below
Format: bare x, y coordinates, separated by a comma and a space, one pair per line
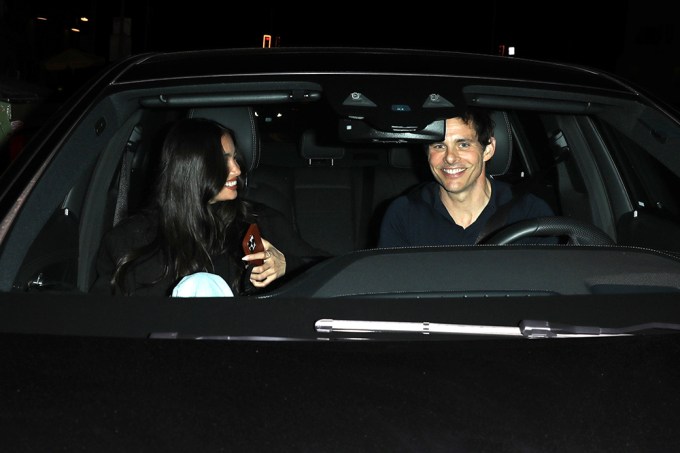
274, 265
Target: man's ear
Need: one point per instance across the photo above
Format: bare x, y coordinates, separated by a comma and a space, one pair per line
489, 149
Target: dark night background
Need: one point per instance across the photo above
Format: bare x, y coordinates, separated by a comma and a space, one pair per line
638, 40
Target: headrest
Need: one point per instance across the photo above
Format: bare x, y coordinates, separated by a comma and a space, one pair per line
401, 157
241, 120
312, 151
499, 164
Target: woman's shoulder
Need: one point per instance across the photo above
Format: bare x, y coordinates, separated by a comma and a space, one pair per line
141, 225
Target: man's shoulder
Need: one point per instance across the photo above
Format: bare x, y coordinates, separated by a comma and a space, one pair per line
504, 190
417, 197
423, 192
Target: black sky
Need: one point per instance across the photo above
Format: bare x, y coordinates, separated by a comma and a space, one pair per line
635, 38
580, 31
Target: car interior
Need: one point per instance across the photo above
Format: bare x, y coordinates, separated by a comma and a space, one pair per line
312, 152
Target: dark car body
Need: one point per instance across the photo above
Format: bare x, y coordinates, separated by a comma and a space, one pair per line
491, 347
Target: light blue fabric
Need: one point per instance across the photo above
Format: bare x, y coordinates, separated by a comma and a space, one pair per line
202, 284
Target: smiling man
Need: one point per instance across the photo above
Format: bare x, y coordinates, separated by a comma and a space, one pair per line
455, 207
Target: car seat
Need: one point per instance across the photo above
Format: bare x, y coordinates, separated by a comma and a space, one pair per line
500, 163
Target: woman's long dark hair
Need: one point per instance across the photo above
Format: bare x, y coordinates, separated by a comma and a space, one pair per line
191, 229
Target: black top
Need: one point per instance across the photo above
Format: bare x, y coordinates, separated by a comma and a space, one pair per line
419, 218
140, 229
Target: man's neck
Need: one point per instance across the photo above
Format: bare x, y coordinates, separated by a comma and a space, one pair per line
464, 208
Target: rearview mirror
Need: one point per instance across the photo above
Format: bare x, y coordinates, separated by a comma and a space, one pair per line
353, 130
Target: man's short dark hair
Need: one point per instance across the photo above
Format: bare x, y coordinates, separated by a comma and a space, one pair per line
482, 123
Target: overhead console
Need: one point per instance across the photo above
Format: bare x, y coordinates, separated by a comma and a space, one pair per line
393, 105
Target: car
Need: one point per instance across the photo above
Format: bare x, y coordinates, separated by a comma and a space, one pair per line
496, 346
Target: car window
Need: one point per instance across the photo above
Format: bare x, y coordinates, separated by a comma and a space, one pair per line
331, 162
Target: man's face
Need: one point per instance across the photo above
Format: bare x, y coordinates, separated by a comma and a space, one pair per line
457, 163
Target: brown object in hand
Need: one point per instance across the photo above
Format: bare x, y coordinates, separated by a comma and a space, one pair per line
252, 243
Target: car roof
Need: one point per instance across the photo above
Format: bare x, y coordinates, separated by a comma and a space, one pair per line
456, 79
210, 63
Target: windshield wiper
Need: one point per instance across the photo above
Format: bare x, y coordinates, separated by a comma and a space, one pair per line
527, 328
343, 325
546, 329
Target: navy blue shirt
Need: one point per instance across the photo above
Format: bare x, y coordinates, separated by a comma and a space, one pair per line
420, 218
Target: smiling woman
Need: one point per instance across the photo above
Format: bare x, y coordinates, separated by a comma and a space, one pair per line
193, 224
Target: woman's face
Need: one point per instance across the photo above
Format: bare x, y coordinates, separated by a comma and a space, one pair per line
230, 189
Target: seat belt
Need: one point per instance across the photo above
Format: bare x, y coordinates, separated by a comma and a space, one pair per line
499, 218
124, 178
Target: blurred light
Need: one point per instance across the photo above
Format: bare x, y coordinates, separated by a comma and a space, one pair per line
41, 18
511, 51
75, 30
84, 19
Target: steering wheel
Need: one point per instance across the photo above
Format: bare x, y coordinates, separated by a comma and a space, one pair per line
578, 232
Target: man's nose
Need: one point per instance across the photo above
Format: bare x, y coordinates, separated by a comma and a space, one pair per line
451, 154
